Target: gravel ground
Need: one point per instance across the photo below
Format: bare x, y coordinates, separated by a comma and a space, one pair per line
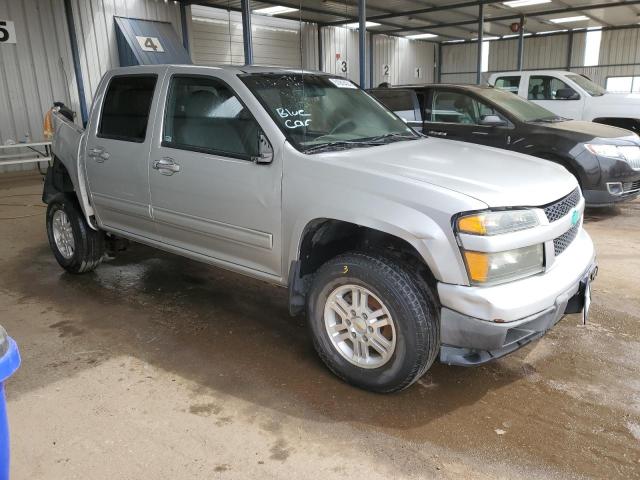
158, 367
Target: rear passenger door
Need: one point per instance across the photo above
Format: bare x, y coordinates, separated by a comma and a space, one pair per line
117, 153
208, 196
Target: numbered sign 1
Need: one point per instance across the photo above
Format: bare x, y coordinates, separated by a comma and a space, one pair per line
417, 72
386, 70
150, 44
7, 32
342, 66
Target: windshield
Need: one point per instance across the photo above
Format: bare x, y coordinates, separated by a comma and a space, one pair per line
522, 109
318, 112
587, 85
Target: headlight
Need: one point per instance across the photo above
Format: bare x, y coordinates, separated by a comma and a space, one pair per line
492, 268
494, 223
630, 153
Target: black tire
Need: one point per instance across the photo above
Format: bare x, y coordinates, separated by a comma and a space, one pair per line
413, 310
89, 245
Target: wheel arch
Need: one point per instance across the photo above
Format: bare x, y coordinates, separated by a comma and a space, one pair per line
324, 238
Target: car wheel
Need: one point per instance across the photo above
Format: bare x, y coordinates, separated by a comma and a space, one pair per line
77, 247
372, 323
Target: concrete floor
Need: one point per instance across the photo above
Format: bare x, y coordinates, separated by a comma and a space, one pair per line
161, 368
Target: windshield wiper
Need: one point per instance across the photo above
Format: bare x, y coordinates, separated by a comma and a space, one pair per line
339, 145
392, 137
548, 120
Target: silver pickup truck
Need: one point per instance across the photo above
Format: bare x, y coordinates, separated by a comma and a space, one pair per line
399, 247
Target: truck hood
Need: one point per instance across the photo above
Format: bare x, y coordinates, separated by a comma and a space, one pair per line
624, 99
498, 178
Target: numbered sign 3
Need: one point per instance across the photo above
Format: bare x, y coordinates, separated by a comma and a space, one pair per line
150, 44
342, 66
7, 32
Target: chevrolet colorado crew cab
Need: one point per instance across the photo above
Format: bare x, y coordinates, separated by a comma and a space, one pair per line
573, 95
400, 248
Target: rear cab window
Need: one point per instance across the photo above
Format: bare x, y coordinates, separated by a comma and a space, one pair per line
126, 107
510, 83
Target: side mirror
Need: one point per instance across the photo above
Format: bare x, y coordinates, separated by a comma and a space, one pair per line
492, 121
567, 94
265, 150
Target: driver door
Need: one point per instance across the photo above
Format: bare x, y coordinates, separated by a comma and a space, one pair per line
456, 115
209, 195
543, 91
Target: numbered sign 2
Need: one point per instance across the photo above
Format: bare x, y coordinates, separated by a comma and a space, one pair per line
386, 70
150, 44
7, 32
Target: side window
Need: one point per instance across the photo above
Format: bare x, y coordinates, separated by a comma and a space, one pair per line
203, 114
125, 111
454, 107
401, 102
510, 84
544, 88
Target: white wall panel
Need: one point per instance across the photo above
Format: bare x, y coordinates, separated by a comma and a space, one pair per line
35, 71
217, 39
95, 29
403, 56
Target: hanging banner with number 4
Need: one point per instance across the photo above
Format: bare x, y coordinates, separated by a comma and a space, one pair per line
150, 44
7, 32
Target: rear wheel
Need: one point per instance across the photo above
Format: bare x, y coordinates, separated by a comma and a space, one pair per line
77, 247
372, 324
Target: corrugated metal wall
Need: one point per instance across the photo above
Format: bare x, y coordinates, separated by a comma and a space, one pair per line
34, 71
619, 56
402, 55
97, 35
217, 39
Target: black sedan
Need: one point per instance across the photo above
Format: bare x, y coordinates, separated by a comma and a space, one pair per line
604, 159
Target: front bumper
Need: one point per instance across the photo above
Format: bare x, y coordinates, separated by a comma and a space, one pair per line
480, 324
615, 172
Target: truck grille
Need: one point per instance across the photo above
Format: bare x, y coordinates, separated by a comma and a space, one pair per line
561, 243
629, 187
555, 211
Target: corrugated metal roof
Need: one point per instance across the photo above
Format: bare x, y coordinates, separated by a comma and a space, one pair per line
170, 50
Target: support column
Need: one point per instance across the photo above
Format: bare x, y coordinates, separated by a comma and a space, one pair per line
480, 38
569, 50
73, 39
246, 31
439, 67
362, 41
371, 85
521, 44
320, 49
183, 25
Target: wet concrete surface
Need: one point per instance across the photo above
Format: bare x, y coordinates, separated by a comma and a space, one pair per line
154, 366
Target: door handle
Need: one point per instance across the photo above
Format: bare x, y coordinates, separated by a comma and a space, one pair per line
99, 154
166, 166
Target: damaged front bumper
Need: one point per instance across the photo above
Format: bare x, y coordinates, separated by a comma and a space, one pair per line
467, 340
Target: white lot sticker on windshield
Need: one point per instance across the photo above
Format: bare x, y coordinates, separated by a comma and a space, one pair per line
341, 83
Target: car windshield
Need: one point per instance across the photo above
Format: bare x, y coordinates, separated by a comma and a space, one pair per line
587, 85
522, 109
320, 113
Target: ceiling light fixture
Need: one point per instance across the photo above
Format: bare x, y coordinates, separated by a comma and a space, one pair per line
357, 24
275, 10
577, 18
524, 3
418, 36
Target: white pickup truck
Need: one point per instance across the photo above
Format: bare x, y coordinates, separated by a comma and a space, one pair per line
399, 247
574, 96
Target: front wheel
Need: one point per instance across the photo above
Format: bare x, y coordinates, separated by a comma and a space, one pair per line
77, 247
372, 324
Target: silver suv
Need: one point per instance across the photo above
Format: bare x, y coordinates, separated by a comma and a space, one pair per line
398, 247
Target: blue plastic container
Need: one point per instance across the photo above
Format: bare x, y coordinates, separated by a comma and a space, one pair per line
9, 363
